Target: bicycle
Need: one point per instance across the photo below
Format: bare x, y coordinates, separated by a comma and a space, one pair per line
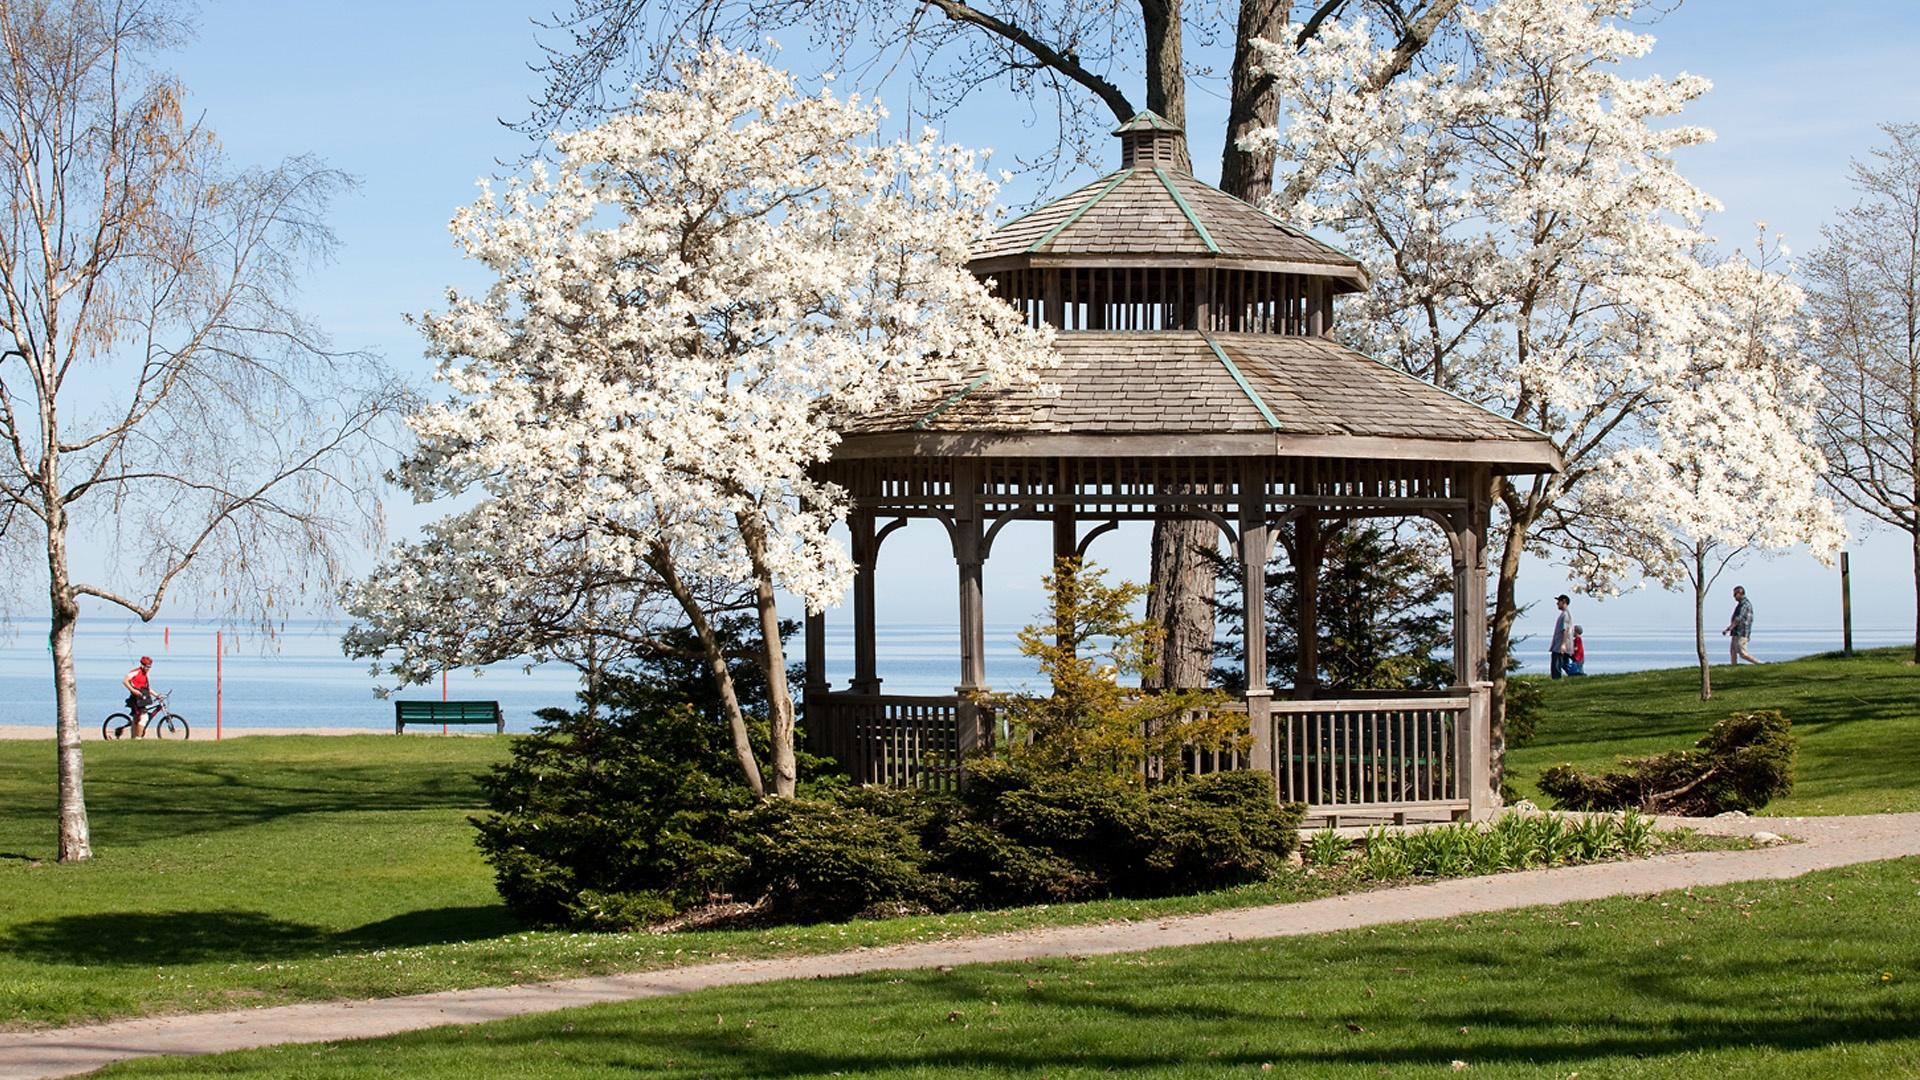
161, 724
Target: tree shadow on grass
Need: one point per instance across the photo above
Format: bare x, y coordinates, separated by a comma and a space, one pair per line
161, 938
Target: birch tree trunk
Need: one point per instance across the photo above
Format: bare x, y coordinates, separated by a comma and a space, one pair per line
76, 840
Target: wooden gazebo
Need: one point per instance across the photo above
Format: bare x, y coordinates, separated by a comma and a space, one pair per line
1198, 379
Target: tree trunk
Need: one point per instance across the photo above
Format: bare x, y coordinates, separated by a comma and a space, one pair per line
1181, 600
716, 658
1915, 537
76, 842
1700, 622
1500, 648
786, 774
1166, 66
1252, 103
773, 654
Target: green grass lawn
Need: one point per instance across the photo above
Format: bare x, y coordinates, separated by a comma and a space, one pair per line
1816, 977
1858, 720
282, 868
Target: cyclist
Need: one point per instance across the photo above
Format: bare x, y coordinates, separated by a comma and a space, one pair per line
139, 694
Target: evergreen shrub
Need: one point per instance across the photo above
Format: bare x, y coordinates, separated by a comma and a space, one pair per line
612, 820
832, 858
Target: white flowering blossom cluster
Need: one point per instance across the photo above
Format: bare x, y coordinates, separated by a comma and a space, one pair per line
1534, 247
678, 308
1731, 465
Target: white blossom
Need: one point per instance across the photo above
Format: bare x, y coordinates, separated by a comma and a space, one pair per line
1534, 247
678, 307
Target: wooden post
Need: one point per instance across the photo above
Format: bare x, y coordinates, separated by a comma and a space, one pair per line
968, 541
866, 678
1469, 595
1846, 607
1306, 591
815, 629
1316, 312
1256, 546
1479, 741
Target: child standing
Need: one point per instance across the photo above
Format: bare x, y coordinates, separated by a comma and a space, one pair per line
1578, 664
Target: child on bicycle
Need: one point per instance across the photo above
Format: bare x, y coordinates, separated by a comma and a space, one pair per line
140, 697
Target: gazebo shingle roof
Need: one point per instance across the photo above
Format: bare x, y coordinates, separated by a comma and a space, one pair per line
1164, 213
1187, 383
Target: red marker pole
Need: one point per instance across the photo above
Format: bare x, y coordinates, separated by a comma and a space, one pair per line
218, 649
443, 697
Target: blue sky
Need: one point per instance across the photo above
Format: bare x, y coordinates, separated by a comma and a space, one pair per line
408, 97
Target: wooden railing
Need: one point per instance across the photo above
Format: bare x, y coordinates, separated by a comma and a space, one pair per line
1381, 756
893, 739
1422, 755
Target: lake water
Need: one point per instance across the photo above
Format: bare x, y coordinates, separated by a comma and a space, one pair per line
301, 680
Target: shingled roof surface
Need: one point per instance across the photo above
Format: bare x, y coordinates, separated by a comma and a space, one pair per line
1185, 382
1135, 212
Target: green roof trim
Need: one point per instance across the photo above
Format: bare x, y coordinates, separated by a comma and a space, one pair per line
1147, 120
1193, 219
1119, 178
1245, 386
952, 400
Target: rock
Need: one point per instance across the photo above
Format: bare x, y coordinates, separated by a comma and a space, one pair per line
1767, 839
1524, 806
1731, 814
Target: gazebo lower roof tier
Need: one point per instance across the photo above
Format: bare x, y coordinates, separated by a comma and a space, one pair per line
1160, 217
1174, 394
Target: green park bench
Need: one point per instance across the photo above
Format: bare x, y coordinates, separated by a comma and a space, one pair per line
447, 712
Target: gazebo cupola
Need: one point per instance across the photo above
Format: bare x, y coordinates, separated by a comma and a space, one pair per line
1198, 379
1149, 141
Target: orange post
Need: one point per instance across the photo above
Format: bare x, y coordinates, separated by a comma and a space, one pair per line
166, 638
218, 649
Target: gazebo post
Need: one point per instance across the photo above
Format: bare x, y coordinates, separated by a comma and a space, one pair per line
1066, 521
866, 679
1306, 592
1470, 635
1256, 546
968, 542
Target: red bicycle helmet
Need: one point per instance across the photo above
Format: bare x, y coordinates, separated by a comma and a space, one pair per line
146, 661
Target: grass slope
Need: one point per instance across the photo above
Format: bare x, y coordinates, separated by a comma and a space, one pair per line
1819, 976
1858, 720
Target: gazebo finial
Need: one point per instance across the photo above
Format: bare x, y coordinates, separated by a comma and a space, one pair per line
1150, 140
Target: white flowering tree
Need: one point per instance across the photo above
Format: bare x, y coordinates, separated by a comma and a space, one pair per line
680, 307
1532, 244
1728, 467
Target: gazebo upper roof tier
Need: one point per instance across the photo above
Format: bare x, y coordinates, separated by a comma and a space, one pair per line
1153, 212
1184, 392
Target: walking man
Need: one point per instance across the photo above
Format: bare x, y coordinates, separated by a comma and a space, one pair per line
1561, 648
1740, 627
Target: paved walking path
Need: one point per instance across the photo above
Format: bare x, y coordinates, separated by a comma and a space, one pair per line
1826, 843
